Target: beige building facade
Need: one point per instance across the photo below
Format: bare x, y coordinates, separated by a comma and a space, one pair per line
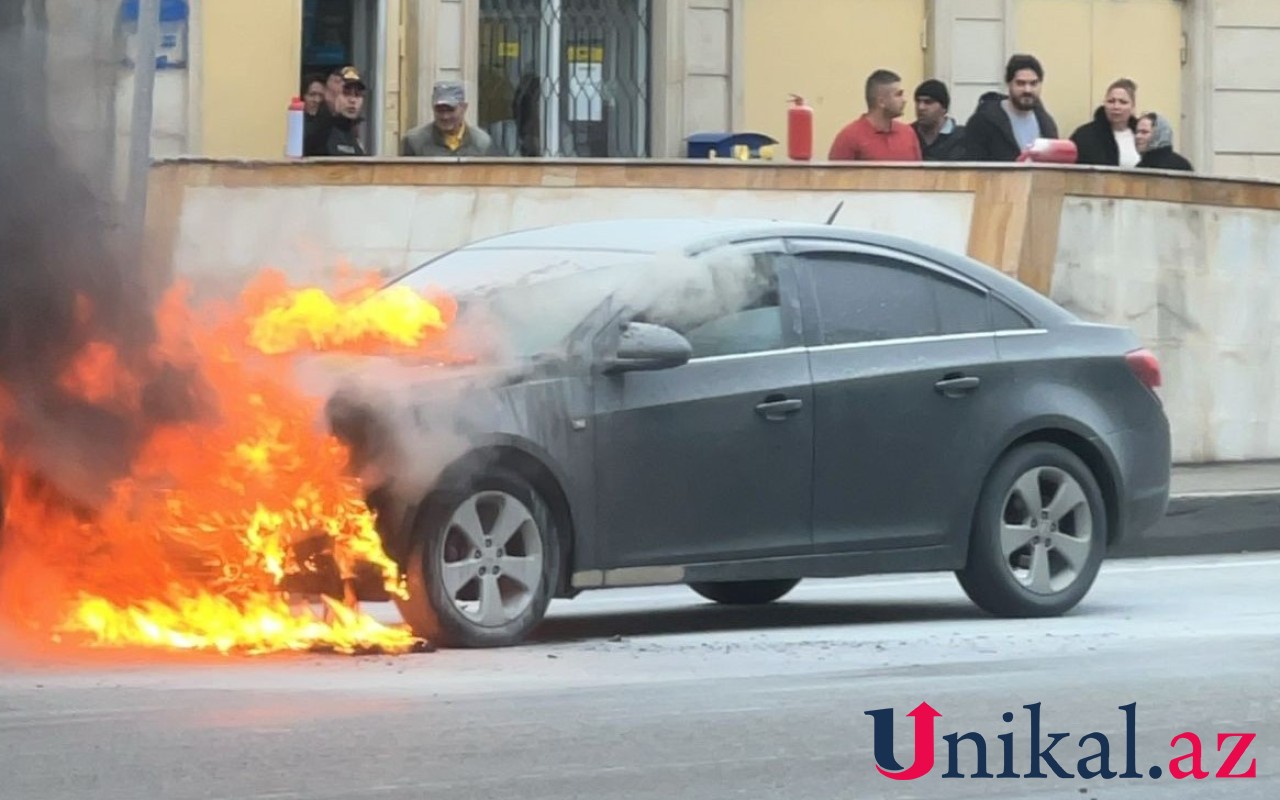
634, 78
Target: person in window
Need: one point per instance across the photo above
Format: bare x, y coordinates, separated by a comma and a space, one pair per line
1003, 126
1155, 141
1109, 140
448, 133
315, 98
320, 92
526, 110
313, 93
343, 138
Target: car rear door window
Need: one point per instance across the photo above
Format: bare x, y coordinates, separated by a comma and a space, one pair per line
860, 300
862, 297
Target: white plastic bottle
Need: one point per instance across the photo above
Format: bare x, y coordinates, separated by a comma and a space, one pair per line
297, 125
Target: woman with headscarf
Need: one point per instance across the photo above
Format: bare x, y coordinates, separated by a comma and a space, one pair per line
1155, 142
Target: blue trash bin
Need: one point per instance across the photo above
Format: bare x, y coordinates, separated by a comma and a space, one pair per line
700, 145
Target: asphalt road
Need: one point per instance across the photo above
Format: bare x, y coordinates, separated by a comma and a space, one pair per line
656, 694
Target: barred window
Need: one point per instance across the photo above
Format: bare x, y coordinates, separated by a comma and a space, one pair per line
565, 77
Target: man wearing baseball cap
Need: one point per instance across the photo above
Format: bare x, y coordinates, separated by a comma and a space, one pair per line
335, 131
344, 135
941, 139
448, 133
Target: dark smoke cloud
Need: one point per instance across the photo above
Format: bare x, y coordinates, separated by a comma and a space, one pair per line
60, 246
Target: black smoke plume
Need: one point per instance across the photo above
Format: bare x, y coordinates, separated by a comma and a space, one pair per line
66, 280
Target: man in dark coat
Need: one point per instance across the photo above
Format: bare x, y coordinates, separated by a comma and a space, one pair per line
1003, 126
941, 139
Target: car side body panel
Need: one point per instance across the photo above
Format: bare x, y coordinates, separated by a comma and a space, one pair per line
623, 449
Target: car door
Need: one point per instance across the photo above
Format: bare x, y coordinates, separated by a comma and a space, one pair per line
712, 460
902, 355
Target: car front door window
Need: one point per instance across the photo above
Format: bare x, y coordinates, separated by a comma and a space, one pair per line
711, 460
734, 307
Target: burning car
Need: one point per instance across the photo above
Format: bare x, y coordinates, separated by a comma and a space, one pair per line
737, 406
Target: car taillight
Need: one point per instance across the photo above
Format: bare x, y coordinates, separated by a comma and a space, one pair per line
1145, 366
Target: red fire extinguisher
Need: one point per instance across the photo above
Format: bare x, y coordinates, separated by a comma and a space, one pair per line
799, 130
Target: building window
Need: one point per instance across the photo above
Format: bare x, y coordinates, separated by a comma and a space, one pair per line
565, 77
336, 33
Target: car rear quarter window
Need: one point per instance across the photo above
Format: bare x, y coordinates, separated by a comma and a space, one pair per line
1005, 317
960, 309
865, 298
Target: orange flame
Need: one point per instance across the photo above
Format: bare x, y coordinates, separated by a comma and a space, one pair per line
194, 545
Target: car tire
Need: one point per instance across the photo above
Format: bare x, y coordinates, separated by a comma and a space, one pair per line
459, 535
744, 593
1042, 511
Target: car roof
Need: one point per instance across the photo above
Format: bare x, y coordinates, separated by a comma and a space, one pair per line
645, 235
649, 235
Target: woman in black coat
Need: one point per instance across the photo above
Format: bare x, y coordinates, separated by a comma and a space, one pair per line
1109, 139
1155, 140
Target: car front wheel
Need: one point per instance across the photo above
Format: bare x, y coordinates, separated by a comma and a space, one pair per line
1039, 534
484, 565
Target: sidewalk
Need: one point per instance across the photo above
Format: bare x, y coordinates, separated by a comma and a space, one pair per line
1215, 509
1230, 478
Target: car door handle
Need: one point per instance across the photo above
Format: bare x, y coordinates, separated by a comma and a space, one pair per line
954, 386
776, 410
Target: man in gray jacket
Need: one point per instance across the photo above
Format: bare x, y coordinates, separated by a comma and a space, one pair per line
448, 134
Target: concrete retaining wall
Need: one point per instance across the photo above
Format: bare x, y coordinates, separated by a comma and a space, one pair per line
1191, 263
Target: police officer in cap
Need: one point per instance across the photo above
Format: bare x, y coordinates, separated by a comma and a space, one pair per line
335, 131
343, 138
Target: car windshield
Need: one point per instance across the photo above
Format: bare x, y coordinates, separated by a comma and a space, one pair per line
531, 298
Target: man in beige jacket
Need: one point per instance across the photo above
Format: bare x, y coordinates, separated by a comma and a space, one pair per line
448, 134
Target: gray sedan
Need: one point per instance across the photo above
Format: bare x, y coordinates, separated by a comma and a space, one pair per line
738, 405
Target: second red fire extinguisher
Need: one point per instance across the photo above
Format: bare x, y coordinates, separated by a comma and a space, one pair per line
799, 130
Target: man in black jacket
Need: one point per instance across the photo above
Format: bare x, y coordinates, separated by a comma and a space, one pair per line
941, 139
1003, 126
343, 137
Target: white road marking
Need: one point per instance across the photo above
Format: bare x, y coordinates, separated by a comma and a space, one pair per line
1232, 493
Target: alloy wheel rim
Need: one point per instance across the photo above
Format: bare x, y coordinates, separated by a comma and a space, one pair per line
491, 560
1046, 530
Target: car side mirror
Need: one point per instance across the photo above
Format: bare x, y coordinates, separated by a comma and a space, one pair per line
644, 347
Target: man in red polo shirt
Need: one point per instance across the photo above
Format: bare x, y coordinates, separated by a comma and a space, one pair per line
878, 135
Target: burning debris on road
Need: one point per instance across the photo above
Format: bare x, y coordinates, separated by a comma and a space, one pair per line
161, 474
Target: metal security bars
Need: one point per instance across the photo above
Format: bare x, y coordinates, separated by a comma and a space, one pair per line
565, 77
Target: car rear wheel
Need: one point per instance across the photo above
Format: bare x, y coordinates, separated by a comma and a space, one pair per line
1039, 534
484, 565
744, 593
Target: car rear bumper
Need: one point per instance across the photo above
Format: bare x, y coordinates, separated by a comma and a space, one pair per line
1143, 459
